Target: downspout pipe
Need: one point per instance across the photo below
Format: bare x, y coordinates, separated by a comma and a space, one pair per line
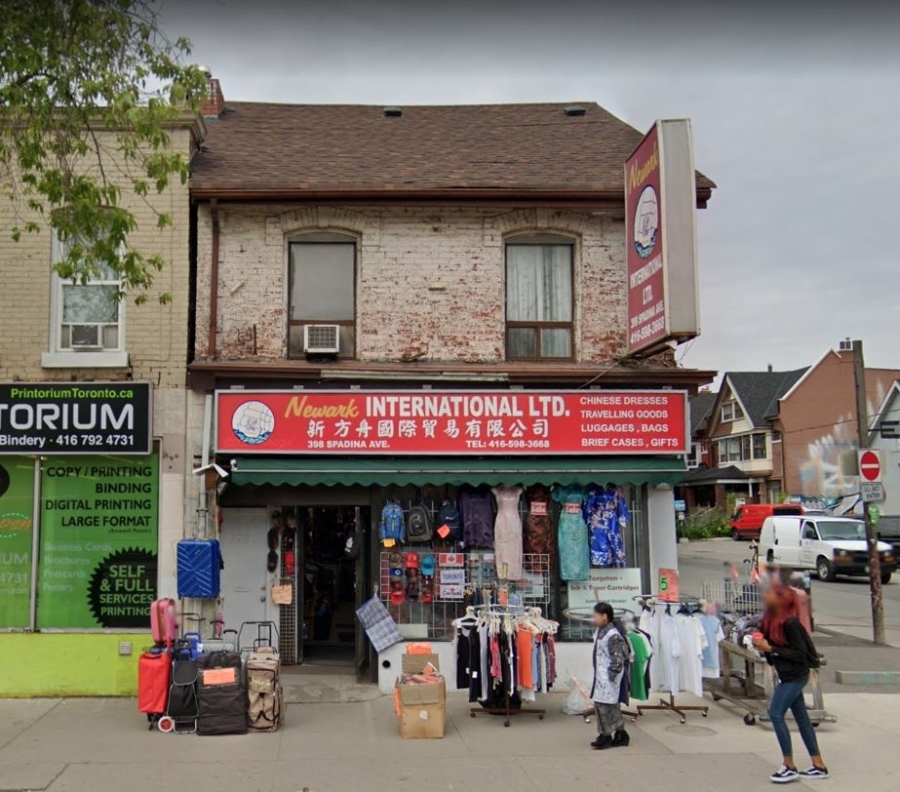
213, 281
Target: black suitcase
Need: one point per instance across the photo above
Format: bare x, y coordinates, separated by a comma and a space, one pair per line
221, 696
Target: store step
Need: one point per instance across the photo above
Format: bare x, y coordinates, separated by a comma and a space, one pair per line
312, 689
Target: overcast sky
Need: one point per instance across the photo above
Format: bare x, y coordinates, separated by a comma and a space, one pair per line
795, 118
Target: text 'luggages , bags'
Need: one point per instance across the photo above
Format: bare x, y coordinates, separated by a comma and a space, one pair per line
199, 563
221, 695
265, 697
154, 678
164, 621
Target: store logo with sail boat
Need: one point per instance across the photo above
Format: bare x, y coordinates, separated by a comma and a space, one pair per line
646, 222
253, 423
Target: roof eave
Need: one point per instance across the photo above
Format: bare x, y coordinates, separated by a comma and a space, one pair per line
604, 200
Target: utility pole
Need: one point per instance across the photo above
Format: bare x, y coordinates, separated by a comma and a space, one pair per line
862, 428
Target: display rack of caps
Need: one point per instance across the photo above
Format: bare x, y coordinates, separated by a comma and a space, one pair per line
411, 577
282, 535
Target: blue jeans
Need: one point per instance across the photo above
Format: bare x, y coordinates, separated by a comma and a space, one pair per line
789, 696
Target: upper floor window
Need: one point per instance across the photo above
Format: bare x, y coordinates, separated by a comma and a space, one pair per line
539, 302
743, 448
731, 411
87, 319
322, 275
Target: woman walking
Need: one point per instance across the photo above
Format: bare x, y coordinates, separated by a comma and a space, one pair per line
610, 655
790, 650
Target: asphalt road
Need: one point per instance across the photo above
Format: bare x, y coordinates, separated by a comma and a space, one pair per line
843, 606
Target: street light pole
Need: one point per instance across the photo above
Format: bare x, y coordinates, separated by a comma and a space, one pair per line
862, 428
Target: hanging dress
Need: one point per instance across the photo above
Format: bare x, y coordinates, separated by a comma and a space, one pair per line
476, 507
508, 533
574, 552
538, 538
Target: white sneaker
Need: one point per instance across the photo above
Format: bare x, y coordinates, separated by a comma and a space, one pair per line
785, 775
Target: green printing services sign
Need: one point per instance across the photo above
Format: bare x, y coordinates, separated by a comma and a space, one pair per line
16, 531
98, 550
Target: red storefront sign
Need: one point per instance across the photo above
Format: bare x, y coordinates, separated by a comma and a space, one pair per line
647, 321
451, 422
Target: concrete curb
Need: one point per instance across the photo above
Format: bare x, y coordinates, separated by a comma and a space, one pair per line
867, 677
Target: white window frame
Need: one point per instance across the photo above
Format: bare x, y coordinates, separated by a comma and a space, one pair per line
737, 413
59, 357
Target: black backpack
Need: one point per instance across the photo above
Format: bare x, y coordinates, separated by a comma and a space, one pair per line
418, 525
448, 515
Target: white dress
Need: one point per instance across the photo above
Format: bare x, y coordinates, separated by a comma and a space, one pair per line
692, 639
508, 533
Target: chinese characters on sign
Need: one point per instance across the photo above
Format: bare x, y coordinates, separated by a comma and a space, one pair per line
416, 422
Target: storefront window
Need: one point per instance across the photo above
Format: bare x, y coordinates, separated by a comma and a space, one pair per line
16, 531
98, 542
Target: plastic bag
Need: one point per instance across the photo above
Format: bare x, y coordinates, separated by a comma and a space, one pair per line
578, 701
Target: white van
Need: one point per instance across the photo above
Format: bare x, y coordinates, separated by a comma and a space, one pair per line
828, 545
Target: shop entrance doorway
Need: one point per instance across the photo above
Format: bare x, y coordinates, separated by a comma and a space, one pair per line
332, 584
245, 579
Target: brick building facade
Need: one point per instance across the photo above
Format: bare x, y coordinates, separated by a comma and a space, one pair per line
418, 230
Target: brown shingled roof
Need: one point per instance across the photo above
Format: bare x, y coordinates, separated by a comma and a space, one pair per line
258, 149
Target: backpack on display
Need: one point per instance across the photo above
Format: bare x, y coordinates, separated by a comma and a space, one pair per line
418, 523
448, 515
391, 526
265, 697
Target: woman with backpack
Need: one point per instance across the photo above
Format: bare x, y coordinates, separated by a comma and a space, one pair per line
788, 647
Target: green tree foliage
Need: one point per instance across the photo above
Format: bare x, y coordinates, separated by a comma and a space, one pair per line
89, 91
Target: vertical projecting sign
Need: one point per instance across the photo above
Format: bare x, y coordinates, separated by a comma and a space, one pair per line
660, 235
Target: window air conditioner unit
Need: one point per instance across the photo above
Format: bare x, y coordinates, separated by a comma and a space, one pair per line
321, 339
86, 338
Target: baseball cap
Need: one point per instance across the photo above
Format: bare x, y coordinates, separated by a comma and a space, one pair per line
397, 597
428, 565
412, 560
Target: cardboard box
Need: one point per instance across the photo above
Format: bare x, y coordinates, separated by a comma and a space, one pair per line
424, 722
416, 663
422, 707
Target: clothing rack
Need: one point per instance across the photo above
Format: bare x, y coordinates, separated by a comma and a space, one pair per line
493, 611
670, 705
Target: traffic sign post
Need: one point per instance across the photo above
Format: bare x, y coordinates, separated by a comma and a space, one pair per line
870, 473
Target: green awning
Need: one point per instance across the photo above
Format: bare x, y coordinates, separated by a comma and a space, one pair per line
455, 471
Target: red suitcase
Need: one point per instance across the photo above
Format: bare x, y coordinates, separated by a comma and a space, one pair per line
154, 680
164, 622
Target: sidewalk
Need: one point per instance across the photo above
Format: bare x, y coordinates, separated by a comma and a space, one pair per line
100, 745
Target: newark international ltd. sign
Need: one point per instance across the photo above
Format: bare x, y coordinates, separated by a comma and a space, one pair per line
450, 422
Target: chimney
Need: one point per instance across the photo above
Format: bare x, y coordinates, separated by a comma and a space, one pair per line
212, 105
769, 368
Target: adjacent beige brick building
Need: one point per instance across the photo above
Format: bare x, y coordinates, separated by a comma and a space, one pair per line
155, 337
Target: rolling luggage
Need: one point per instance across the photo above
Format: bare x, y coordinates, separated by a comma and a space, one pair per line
164, 622
154, 678
199, 564
182, 710
221, 695
265, 697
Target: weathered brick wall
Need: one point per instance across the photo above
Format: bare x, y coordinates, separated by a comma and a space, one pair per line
430, 282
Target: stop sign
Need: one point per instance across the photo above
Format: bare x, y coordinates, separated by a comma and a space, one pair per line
870, 465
